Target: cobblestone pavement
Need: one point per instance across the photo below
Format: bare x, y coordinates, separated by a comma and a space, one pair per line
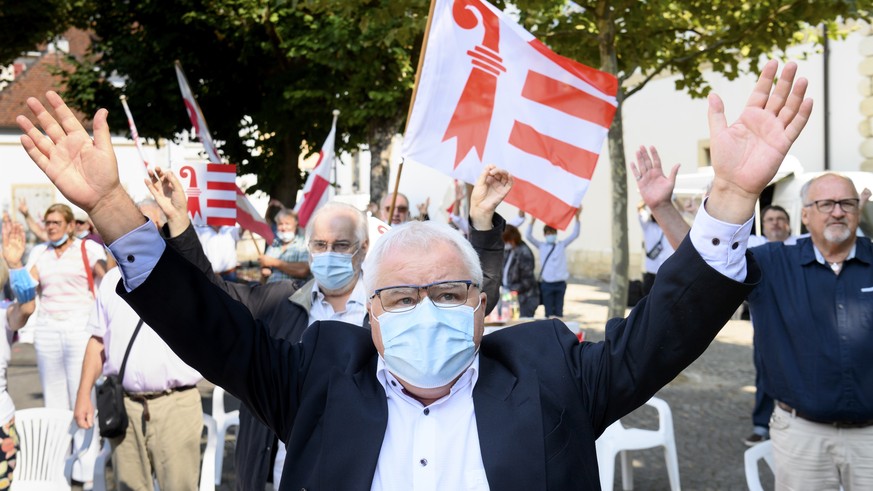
711, 403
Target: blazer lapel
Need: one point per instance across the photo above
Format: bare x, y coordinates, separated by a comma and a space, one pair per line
509, 419
355, 420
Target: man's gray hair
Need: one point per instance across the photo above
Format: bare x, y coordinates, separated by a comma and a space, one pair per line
804, 191
338, 208
420, 238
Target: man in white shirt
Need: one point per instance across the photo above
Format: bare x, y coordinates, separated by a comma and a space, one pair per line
529, 401
162, 403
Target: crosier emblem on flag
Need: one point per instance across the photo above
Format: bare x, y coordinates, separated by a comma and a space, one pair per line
511, 102
244, 212
315, 191
211, 191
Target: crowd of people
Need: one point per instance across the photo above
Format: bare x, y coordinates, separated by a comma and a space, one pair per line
365, 361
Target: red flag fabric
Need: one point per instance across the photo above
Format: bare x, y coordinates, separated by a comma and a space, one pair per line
489, 92
246, 214
133, 133
315, 191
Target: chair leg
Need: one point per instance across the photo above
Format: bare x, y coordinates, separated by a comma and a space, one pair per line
219, 453
607, 472
672, 461
627, 472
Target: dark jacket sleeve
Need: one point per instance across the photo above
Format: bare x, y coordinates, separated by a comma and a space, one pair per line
489, 246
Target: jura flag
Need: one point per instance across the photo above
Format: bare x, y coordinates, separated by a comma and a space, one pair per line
211, 191
491, 93
315, 191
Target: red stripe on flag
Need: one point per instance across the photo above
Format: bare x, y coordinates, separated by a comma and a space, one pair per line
540, 203
571, 158
602, 81
247, 217
567, 99
221, 168
221, 186
312, 200
220, 203
220, 221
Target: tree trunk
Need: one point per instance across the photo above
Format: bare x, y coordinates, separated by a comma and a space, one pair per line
609, 63
287, 183
380, 163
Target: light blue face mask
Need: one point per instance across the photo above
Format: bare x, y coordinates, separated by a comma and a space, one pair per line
286, 237
551, 238
428, 346
61, 241
332, 270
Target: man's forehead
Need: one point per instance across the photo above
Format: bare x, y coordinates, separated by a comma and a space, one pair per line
335, 227
833, 186
408, 266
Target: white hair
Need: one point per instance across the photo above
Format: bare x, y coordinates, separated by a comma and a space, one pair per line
420, 237
338, 208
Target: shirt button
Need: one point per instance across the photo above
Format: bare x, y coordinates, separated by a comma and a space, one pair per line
423, 462
735, 245
393, 384
130, 258
715, 241
426, 411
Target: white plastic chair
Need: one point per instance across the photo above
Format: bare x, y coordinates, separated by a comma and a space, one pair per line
618, 439
223, 421
207, 463
763, 450
46, 436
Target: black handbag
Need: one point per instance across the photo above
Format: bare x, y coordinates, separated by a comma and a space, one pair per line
111, 415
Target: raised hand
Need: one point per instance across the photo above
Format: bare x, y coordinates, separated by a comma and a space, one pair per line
83, 170
170, 197
13, 242
22, 206
490, 189
747, 154
656, 189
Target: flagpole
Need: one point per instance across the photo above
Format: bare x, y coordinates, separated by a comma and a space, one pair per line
418, 70
336, 113
396, 186
133, 132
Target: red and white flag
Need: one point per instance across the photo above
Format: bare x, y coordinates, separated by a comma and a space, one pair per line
245, 213
133, 133
315, 191
211, 191
489, 92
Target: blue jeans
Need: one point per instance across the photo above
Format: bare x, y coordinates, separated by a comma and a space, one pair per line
553, 297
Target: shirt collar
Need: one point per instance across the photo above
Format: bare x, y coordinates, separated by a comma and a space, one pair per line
821, 260
392, 386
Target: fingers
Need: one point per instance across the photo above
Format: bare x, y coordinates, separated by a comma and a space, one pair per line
717, 121
102, 138
761, 93
47, 122
34, 142
793, 102
656, 159
68, 121
780, 94
792, 131
673, 173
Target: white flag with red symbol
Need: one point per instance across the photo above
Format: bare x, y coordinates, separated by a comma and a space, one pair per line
211, 191
489, 92
244, 212
315, 191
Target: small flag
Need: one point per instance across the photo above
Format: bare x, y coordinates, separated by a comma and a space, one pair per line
133, 133
315, 190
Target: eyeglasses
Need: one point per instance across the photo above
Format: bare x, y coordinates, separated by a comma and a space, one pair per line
849, 205
399, 209
778, 219
56, 223
341, 246
443, 294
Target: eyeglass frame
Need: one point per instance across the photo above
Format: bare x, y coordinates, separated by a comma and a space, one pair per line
854, 202
332, 247
418, 288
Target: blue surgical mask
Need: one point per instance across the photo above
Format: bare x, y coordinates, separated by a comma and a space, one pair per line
428, 346
82, 234
61, 241
332, 270
551, 238
285, 237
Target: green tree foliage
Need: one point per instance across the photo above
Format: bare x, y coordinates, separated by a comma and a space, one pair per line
25, 24
638, 40
266, 74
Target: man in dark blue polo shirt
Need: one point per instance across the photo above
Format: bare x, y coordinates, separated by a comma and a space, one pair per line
815, 308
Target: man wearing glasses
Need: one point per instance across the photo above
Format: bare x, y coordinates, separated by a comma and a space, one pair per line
423, 400
401, 209
814, 307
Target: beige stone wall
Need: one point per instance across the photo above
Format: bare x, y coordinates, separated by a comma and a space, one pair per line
865, 90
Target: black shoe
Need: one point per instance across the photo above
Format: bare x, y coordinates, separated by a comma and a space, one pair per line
755, 439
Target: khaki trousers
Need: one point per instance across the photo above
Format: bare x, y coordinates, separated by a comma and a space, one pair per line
168, 444
819, 457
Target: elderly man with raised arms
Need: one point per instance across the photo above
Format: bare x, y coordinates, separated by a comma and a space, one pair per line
423, 401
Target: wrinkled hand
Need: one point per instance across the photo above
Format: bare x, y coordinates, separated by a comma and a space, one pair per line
747, 154
22, 206
490, 189
170, 196
84, 412
84, 170
656, 189
13, 242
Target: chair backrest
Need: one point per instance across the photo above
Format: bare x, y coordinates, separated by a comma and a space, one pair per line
46, 437
763, 450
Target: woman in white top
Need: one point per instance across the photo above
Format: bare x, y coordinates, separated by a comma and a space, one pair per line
64, 270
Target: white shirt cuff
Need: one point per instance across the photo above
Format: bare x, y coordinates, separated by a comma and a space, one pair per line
722, 245
137, 253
